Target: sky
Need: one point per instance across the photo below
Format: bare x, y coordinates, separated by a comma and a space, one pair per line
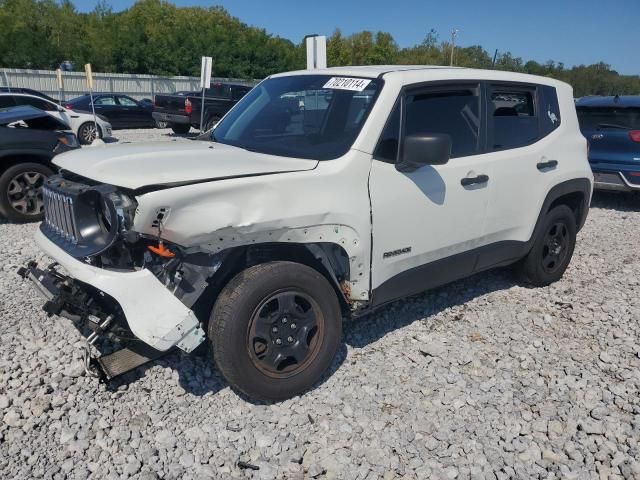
570, 31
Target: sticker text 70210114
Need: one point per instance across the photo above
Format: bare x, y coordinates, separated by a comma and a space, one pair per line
346, 83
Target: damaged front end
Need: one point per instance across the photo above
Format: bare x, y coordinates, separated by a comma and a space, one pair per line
111, 279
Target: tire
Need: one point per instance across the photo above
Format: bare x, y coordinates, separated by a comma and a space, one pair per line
211, 123
21, 192
552, 249
262, 301
87, 133
161, 124
180, 128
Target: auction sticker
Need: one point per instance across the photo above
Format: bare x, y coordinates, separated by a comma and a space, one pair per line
346, 83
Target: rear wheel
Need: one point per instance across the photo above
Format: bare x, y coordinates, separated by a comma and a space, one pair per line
21, 192
552, 249
161, 124
275, 329
180, 128
87, 133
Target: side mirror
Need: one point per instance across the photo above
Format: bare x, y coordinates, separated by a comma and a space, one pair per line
424, 149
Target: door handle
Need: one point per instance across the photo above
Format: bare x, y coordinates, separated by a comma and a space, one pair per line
466, 181
548, 164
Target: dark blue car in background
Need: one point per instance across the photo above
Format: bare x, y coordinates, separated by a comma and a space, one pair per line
612, 127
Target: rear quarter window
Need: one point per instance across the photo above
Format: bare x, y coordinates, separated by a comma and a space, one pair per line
550, 110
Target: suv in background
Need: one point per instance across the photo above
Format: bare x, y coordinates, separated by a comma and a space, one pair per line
612, 127
29, 139
322, 195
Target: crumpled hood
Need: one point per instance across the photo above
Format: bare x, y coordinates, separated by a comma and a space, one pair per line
139, 165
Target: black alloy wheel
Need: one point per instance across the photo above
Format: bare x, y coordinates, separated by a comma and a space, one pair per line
555, 248
552, 248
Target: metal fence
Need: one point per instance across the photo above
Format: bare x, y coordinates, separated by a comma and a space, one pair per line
136, 86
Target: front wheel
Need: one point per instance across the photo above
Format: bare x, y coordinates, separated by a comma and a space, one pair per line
552, 249
21, 192
275, 329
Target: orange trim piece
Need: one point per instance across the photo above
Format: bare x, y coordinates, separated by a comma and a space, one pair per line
161, 250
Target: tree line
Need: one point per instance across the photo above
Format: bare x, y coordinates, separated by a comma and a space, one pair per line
157, 37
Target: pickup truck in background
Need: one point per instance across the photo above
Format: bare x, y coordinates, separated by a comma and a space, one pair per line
181, 111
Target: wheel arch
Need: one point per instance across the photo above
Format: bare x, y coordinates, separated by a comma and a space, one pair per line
575, 193
15, 158
329, 259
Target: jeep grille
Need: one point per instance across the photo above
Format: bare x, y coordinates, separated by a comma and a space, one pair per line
59, 214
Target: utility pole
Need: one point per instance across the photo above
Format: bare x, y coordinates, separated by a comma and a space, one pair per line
454, 34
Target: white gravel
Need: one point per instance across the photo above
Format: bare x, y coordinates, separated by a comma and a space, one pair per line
479, 379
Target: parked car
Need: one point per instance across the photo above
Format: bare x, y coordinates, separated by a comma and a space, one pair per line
389, 181
81, 123
121, 111
29, 139
28, 91
612, 127
181, 111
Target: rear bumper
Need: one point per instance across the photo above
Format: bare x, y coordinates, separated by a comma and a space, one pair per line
171, 118
153, 314
614, 181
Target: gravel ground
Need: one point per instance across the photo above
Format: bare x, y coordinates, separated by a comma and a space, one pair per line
480, 379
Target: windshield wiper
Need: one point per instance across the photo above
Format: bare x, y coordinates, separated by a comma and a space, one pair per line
613, 125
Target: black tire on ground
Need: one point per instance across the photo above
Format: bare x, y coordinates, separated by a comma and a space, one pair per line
21, 191
265, 342
87, 133
211, 123
161, 124
180, 128
552, 249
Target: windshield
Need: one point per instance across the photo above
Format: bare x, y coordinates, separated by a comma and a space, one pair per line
306, 116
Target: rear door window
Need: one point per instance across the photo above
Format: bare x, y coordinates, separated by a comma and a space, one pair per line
105, 101
513, 118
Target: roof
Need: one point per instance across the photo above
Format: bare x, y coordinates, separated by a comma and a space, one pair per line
417, 73
371, 71
15, 114
620, 101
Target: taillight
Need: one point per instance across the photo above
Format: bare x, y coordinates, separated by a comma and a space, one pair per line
634, 135
68, 106
187, 106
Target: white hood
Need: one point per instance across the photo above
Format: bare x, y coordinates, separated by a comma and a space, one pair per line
156, 163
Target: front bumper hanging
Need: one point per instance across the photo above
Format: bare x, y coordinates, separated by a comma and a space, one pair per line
153, 314
88, 307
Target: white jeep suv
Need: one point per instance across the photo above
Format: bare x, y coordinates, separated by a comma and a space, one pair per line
321, 195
